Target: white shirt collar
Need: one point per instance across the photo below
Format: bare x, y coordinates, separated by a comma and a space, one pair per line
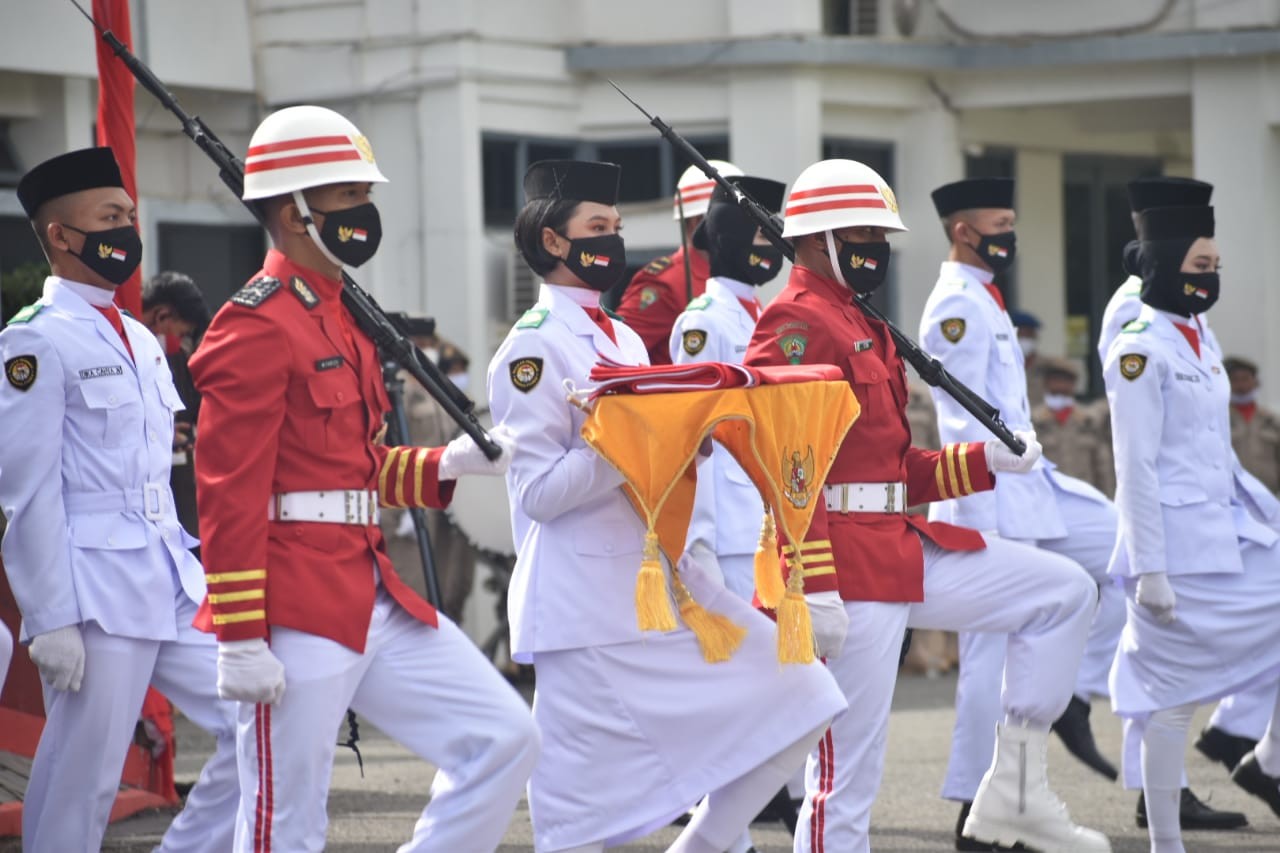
740, 289
979, 275
95, 296
584, 296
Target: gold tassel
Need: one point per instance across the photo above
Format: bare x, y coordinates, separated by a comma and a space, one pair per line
718, 635
795, 625
653, 607
768, 568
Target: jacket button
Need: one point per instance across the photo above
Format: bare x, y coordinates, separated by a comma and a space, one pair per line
341, 396
111, 399
608, 549
111, 540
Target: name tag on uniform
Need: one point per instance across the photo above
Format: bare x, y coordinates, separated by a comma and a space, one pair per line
1186, 377
862, 345
330, 363
740, 348
99, 372
1002, 336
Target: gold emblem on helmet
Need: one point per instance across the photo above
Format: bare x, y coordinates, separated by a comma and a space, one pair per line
362, 145
889, 198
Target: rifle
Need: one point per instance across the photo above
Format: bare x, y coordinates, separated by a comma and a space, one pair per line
369, 316
929, 368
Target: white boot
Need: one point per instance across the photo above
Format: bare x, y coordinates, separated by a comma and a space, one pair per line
1014, 804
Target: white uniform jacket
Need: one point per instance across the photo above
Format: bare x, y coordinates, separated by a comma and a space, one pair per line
727, 509
966, 329
93, 534
1123, 308
1182, 505
579, 541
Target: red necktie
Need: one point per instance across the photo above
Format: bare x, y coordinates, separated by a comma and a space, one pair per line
1247, 410
113, 317
996, 295
1191, 335
1063, 415
752, 306
602, 320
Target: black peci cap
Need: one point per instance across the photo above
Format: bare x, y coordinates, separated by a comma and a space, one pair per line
85, 169
973, 193
572, 180
769, 193
1175, 223
1163, 191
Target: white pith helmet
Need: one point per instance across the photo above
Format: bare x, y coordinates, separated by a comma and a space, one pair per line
835, 194
693, 190
302, 147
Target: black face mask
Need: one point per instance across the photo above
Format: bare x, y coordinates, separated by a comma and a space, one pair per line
762, 264
351, 235
113, 253
998, 250
1165, 286
864, 265
599, 261
730, 243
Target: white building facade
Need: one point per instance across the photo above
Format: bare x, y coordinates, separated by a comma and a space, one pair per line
457, 96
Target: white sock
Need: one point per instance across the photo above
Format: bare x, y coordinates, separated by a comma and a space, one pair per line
1268, 749
1164, 742
723, 814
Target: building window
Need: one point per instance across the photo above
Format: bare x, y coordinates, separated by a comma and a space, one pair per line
503, 161
219, 258
851, 17
641, 163
10, 168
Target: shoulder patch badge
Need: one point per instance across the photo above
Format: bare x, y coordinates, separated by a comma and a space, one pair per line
953, 329
21, 371
657, 265
256, 292
694, 341
25, 314
532, 319
1135, 326
303, 291
1132, 365
702, 303
525, 373
793, 347
648, 296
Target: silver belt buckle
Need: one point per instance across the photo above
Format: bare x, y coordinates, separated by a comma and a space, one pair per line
890, 491
152, 501
844, 497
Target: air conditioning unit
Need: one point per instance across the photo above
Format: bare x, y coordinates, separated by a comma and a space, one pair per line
513, 287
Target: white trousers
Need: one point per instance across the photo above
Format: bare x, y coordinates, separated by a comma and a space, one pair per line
6, 652
1247, 713
1092, 536
76, 771
1041, 606
428, 689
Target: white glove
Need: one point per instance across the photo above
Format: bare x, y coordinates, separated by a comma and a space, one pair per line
1155, 594
1001, 458
59, 655
249, 672
463, 456
700, 560
830, 622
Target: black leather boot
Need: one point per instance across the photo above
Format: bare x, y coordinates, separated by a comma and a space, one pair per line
1193, 813
1077, 736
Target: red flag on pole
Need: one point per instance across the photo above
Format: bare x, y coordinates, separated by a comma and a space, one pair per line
116, 119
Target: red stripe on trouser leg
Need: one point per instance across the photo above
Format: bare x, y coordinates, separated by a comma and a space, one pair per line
822, 781
266, 794
818, 824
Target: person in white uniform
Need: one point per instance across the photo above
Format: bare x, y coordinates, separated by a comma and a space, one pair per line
1198, 564
717, 326
94, 552
966, 326
635, 726
1239, 720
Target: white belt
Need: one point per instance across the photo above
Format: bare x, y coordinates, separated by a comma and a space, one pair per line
349, 507
866, 497
152, 500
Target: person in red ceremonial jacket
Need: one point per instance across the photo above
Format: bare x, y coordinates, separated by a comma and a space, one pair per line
891, 570
659, 292
310, 615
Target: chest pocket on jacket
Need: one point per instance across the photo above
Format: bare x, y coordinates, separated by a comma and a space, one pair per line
337, 395
871, 381
115, 411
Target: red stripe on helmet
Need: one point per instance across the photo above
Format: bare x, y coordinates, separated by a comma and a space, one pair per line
301, 160
839, 204
845, 189
295, 144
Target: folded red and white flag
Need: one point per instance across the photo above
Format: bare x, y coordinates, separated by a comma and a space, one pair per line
611, 377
